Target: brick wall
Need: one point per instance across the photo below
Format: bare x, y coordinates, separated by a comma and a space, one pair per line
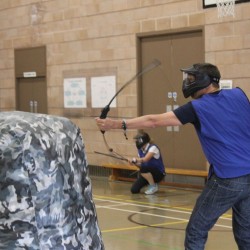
91, 35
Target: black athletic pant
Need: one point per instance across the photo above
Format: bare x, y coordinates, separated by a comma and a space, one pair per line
141, 182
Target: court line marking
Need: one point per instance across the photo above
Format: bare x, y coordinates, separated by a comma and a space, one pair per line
141, 227
107, 198
143, 213
118, 203
156, 215
141, 202
143, 242
175, 210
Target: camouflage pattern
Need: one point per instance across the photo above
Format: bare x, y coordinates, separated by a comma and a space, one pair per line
45, 191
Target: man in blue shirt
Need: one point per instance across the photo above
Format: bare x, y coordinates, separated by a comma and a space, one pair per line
222, 121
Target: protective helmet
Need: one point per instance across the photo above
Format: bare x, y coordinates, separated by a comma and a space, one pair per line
204, 74
141, 139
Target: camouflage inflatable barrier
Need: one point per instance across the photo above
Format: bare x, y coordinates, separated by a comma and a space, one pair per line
45, 191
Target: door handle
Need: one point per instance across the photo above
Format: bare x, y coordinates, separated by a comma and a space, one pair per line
31, 107
35, 106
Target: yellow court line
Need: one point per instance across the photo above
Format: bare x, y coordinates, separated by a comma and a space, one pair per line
141, 227
227, 216
152, 204
141, 202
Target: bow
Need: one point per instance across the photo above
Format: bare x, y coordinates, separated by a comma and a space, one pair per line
113, 156
106, 109
120, 158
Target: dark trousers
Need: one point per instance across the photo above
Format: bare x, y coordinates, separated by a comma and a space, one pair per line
218, 196
142, 182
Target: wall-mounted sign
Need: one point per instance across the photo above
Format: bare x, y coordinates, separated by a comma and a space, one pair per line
226, 84
29, 74
103, 88
75, 92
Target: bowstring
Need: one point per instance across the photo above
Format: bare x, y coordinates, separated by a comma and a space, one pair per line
114, 153
111, 150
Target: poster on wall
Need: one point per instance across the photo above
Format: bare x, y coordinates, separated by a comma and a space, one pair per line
75, 92
103, 88
226, 84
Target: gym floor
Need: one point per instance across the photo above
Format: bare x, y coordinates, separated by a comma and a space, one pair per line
154, 222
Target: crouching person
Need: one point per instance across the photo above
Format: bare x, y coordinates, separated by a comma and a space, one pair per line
149, 159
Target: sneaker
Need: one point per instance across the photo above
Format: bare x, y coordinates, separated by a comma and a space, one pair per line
152, 189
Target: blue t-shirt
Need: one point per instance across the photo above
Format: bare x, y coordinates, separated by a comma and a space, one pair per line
222, 122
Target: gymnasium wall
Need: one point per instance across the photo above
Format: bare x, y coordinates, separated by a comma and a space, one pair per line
89, 36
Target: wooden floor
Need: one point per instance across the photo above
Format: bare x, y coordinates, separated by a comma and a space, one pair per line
141, 222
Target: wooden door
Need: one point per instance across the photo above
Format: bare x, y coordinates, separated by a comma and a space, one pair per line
32, 95
161, 90
31, 92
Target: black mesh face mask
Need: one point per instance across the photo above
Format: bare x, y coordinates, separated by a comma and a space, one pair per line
141, 140
139, 143
188, 81
199, 81
196, 80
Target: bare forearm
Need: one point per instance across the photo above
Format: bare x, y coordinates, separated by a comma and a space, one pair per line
142, 122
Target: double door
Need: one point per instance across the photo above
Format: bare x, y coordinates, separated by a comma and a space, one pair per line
161, 91
32, 95
31, 87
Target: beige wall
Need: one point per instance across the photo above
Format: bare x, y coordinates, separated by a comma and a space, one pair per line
89, 35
